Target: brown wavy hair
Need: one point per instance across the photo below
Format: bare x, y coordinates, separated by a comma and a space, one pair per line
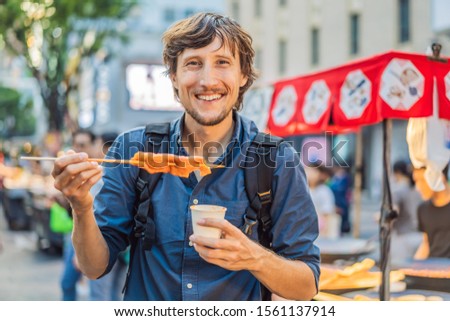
199, 31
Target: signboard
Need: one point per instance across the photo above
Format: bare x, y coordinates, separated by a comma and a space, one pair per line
149, 88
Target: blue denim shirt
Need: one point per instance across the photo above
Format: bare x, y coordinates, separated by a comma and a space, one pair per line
173, 270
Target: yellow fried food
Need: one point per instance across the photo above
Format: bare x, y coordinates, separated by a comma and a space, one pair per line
355, 276
364, 265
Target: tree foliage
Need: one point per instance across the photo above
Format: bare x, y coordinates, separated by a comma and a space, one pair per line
54, 36
16, 114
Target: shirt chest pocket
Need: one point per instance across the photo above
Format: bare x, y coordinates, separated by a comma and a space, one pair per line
170, 220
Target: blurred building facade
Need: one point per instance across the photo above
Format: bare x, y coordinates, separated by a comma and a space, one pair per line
293, 37
297, 37
441, 24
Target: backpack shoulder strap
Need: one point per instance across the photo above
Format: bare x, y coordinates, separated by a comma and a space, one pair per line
156, 141
258, 185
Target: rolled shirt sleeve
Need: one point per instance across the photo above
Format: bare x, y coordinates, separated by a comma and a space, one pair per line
295, 223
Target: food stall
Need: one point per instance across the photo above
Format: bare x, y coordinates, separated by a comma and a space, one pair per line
391, 85
14, 198
27, 199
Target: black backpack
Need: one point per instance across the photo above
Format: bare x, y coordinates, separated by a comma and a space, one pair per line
258, 180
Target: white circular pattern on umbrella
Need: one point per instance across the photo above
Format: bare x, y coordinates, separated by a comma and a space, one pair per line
447, 86
402, 84
285, 106
316, 102
356, 93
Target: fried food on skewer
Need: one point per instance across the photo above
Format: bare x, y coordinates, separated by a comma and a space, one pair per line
169, 163
155, 163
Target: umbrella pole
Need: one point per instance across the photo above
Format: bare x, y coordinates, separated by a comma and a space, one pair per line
357, 184
387, 214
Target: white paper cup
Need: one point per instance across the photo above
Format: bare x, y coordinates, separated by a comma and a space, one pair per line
207, 211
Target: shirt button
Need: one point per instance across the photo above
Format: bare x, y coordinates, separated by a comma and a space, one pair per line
195, 201
190, 243
189, 285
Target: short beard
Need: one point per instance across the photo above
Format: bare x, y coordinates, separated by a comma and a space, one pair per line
198, 118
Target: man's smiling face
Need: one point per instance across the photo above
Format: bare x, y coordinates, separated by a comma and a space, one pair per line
208, 80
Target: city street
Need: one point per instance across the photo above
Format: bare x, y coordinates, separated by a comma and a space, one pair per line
29, 275
110, 98
25, 273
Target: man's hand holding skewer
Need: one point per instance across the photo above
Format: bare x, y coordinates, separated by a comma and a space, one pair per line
74, 176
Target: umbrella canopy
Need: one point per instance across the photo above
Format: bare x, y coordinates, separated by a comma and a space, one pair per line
364, 92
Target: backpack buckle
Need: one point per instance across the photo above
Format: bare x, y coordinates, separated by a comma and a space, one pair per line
248, 225
265, 197
141, 185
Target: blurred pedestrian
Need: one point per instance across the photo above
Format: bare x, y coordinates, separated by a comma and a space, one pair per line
434, 217
82, 141
323, 199
405, 235
341, 185
108, 287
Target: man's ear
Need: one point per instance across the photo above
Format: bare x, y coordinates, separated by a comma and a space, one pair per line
244, 80
173, 78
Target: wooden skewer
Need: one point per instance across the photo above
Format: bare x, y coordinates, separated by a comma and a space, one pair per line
98, 160
105, 160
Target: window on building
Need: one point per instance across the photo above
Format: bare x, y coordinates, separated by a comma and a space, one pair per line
169, 15
314, 46
235, 10
258, 59
258, 8
282, 3
282, 56
354, 34
404, 22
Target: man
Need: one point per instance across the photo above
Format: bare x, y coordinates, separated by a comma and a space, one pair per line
434, 217
324, 201
406, 199
109, 287
83, 141
210, 64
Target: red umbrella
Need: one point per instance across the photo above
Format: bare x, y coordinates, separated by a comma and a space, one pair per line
390, 85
